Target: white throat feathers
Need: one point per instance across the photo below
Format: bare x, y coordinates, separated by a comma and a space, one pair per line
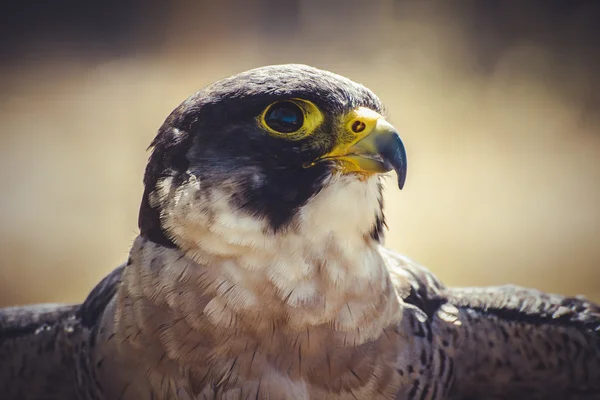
231, 271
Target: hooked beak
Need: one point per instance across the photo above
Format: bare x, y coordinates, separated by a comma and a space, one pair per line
370, 145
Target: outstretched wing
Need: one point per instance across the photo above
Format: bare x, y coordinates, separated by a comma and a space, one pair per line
525, 344
507, 342
36, 352
43, 348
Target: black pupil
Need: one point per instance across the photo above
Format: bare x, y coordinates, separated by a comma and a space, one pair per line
285, 117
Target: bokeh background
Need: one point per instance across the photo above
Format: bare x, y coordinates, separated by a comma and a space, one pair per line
497, 103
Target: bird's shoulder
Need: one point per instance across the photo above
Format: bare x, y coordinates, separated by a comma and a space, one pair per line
91, 310
415, 284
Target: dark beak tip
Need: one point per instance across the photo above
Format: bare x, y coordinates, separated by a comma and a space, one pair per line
393, 153
400, 172
401, 179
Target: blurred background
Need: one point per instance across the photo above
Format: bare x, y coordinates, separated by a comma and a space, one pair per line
497, 103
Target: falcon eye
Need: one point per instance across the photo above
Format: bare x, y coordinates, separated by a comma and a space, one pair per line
284, 117
291, 119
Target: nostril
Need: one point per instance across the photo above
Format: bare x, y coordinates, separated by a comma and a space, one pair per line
358, 126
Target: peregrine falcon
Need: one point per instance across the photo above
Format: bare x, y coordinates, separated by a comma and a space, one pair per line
259, 273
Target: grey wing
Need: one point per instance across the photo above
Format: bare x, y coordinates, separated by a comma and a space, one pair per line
518, 343
507, 342
36, 352
44, 348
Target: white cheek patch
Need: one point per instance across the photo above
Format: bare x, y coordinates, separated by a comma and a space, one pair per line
346, 206
160, 194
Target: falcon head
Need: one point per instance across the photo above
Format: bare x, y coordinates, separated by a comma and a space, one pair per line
286, 148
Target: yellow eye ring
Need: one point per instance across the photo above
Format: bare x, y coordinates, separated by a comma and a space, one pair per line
291, 119
284, 117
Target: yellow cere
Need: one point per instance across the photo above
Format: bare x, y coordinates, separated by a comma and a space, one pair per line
357, 124
313, 118
362, 118
353, 128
